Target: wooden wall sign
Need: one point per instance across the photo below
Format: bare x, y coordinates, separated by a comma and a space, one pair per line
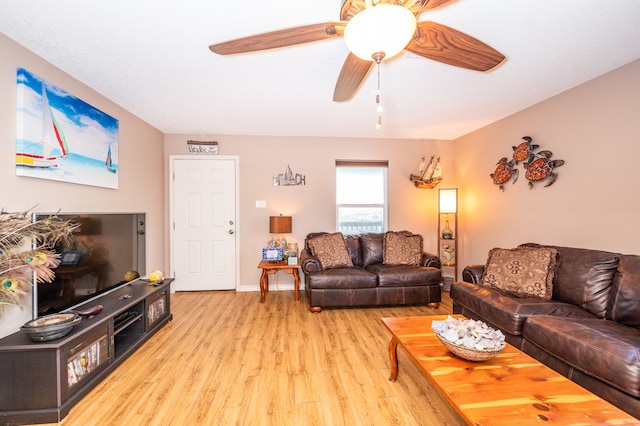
202, 147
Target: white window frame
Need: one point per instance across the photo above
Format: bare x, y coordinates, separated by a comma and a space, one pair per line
384, 165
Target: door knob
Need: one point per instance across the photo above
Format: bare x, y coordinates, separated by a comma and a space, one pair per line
231, 231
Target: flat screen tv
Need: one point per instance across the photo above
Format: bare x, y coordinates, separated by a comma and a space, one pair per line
94, 261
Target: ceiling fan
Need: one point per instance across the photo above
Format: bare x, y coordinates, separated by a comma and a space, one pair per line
385, 27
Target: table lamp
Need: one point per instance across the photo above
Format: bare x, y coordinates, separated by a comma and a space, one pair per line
280, 225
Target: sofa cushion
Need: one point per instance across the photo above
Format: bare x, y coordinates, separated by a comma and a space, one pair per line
405, 275
331, 250
402, 249
624, 300
603, 349
353, 245
524, 272
508, 312
584, 277
372, 248
342, 278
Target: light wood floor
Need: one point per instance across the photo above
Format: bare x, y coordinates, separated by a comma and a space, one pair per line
226, 359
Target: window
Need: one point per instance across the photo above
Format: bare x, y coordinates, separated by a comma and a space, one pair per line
361, 196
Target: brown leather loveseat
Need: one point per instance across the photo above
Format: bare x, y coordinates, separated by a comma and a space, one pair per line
588, 329
368, 270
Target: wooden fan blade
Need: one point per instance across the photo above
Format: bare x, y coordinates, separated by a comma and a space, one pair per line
280, 38
417, 6
350, 8
444, 44
353, 73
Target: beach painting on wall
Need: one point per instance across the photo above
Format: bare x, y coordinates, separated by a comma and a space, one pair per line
61, 137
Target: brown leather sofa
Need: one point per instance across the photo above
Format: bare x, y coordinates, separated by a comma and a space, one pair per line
369, 282
589, 331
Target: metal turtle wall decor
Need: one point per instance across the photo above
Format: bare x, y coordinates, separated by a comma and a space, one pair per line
538, 166
505, 172
524, 150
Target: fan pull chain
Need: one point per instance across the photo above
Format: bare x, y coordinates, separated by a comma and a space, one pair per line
378, 101
379, 114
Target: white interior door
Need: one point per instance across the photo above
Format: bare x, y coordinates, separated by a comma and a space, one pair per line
204, 228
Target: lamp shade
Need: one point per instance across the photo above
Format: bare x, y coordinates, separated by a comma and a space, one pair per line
448, 200
280, 224
385, 28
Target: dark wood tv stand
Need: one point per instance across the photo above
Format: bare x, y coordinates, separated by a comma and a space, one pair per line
41, 381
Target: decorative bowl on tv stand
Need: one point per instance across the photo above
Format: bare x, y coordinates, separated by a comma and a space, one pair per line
51, 327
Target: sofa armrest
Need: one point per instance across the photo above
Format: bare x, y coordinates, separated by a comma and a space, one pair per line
473, 273
308, 262
431, 260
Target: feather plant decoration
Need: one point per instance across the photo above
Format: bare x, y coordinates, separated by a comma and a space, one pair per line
27, 252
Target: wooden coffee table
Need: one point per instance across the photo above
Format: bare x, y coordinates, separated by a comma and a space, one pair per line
510, 389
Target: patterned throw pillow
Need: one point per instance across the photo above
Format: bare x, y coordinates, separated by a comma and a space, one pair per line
402, 249
523, 272
331, 251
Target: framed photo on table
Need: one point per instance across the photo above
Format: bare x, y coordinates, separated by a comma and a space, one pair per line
272, 254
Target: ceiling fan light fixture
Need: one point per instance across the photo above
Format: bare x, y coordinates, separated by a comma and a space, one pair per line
386, 28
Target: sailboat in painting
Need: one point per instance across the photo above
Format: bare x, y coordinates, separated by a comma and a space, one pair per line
430, 174
52, 138
109, 163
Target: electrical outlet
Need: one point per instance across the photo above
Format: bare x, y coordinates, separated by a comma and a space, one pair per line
261, 204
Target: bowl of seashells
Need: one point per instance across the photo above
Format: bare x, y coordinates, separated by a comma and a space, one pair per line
469, 339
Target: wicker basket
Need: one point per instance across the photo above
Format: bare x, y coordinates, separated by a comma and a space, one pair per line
469, 353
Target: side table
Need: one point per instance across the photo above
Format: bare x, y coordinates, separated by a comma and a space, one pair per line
269, 268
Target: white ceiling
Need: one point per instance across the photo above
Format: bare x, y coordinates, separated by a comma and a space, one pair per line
152, 58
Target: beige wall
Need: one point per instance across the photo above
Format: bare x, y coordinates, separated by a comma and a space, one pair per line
594, 128
594, 203
313, 205
140, 157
